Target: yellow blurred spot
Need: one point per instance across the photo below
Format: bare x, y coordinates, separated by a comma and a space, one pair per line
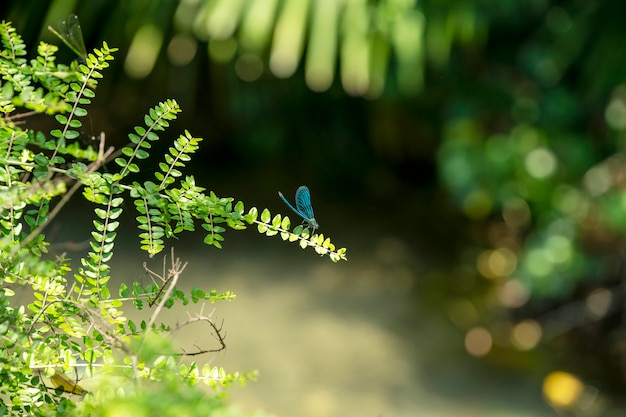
143, 51
249, 67
526, 334
319, 78
540, 163
562, 389
257, 25
477, 205
498, 263
478, 342
354, 65
181, 50
355, 51
288, 38
322, 46
599, 302
223, 18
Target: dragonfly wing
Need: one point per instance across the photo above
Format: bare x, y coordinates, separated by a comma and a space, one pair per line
303, 202
290, 206
76, 35
71, 34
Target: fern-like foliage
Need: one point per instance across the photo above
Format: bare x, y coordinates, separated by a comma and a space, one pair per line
74, 321
167, 208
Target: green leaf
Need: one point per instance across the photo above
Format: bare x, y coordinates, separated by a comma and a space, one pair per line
41, 160
251, 216
104, 292
137, 289
71, 134
266, 216
277, 220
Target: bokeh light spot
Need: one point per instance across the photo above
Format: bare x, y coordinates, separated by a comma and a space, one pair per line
498, 263
599, 302
570, 201
540, 163
526, 335
249, 67
537, 263
181, 50
513, 294
222, 50
559, 249
562, 389
477, 205
615, 114
597, 180
143, 51
478, 342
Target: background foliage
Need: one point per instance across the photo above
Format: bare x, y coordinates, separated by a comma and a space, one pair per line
510, 113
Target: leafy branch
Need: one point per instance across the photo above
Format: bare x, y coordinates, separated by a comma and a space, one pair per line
74, 321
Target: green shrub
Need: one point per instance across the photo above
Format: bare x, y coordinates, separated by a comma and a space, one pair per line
76, 326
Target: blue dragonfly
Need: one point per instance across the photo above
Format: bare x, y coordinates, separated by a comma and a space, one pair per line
303, 206
71, 34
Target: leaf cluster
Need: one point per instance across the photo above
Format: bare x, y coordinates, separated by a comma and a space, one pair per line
75, 329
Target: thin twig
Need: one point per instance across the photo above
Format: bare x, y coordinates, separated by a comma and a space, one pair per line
175, 270
216, 330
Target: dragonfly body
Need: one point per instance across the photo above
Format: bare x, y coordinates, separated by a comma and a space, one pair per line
303, 206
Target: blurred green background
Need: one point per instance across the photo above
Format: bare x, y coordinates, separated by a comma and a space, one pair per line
469, 154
